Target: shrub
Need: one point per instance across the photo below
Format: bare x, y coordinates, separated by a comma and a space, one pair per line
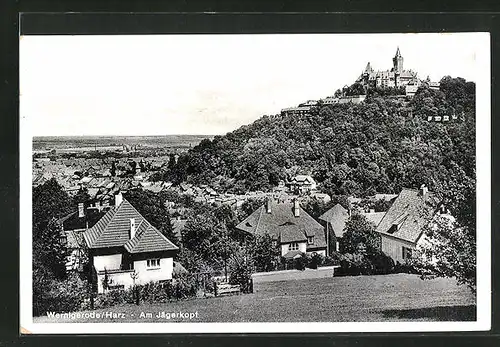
59, 296
354, 264
333, 259
114, 297
316, 260
242, 275
382, 263
300, 263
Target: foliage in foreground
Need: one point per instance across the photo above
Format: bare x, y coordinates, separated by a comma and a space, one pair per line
450, 251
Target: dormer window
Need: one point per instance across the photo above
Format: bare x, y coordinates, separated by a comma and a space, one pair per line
310, 240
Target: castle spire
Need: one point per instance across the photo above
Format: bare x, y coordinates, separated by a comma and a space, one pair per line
398, 53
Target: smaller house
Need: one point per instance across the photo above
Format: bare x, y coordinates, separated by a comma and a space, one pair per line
401, 228
334, 221
302, 184
291, 228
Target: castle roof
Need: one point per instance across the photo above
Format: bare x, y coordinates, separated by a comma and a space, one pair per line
398, 53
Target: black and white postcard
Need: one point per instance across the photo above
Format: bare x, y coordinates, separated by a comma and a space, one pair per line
178, 183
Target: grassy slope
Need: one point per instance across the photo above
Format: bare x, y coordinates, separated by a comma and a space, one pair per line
368, 298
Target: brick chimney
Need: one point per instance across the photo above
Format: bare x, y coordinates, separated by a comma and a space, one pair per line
268, 205
132, 228
118, 199
296, 210
81, 210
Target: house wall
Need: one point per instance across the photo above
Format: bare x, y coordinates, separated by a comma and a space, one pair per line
285, 248
394, 247
108, 262
145, 274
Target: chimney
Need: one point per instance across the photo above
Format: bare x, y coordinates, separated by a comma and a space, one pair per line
118, 199
132, 228
81, 210
268, 205
372, 210
296, 210
98, 205
423, 190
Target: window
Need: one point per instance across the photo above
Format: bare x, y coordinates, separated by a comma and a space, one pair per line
310, 240
152, 263
274, 243
407, 252
293, 246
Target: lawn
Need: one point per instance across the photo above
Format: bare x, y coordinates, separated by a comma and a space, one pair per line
399, 297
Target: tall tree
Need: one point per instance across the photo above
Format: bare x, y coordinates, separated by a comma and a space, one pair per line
359, 231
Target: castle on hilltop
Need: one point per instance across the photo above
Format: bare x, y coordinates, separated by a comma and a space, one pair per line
394, 78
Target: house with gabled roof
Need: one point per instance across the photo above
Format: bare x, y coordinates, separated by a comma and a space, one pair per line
401, 228
334, 221
302, 184
125, 249
291, 228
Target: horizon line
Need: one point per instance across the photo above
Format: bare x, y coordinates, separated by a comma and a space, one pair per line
109, 135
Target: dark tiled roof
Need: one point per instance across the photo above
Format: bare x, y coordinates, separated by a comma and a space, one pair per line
74, 222
113, 230
337, 216
281, 224
148, 239
411, 212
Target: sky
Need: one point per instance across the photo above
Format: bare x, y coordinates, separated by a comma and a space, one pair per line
208, 84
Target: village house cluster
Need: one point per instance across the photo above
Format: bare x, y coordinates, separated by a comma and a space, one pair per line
125, 249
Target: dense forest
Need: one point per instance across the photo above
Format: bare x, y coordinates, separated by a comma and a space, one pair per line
381, 145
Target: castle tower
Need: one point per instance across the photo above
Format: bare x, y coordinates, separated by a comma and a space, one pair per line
398, 67
398, 62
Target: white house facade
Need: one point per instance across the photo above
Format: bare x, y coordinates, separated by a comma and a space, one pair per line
125, 249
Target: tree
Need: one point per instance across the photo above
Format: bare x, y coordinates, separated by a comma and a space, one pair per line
449, 251
264, 253
359, 231
49, 201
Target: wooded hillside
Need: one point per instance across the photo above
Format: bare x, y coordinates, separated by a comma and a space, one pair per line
381, 145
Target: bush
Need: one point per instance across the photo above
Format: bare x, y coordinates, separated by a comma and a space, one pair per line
316, 260
242, 275
354, 265
333, 259
59, 296
113, 297
300, 263
404, 268
382, 263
